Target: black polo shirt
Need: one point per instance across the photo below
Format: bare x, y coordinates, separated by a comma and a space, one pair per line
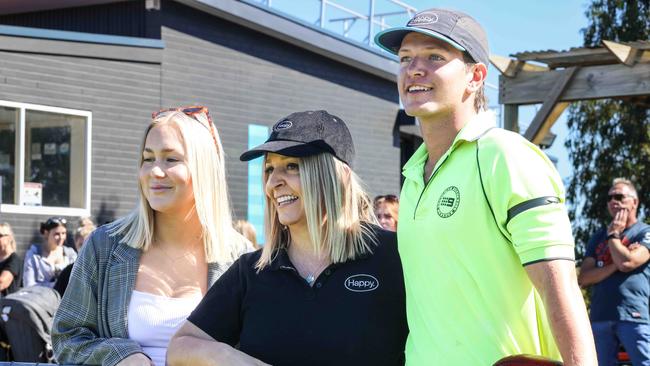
354, 314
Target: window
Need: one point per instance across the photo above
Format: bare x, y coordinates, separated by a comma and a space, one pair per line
44, 159
257, 135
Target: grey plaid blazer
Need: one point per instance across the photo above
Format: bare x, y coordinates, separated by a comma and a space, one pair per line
90, 325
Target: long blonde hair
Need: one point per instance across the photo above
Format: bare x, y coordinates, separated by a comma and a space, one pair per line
336, 207
207, 168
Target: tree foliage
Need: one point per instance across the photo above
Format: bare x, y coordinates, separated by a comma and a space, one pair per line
608, 138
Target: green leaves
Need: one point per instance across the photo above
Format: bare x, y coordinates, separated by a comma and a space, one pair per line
608, 138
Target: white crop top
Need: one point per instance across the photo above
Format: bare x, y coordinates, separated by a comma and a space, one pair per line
153, 319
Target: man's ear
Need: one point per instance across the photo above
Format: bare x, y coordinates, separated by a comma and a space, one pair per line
478, 75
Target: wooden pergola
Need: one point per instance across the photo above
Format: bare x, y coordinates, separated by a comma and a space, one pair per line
554, 79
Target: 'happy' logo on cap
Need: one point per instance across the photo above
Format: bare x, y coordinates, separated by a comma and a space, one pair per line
428, 18
282, 125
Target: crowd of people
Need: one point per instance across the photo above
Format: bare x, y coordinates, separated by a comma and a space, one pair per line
477, 269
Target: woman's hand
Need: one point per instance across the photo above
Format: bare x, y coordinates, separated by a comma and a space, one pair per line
136, 359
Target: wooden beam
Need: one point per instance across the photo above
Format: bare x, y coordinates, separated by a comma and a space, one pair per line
592, 82
511, 117
510, 67
541, 122
545, 129
624, 53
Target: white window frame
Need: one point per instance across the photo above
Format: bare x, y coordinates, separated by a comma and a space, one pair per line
18, 208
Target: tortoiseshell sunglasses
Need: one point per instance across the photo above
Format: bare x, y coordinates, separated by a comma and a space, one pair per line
192, 111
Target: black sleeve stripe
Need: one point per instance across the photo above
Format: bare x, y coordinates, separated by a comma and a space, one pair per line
527, 205
550, 259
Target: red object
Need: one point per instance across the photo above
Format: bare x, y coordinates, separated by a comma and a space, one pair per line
527, 360
623, 356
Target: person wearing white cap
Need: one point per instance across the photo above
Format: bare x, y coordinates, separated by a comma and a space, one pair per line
484, 236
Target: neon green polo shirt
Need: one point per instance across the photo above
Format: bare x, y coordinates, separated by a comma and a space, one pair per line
469, 299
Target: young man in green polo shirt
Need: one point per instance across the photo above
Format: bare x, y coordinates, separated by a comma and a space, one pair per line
484, 236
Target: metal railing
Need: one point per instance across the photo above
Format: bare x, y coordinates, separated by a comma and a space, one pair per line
376, 21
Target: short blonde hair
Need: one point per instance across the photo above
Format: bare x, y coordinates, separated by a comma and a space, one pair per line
628, 183
335, 205
5, 228
84, 231
205, 160
391, 202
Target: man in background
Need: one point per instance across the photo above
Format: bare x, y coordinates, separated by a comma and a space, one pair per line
616, 264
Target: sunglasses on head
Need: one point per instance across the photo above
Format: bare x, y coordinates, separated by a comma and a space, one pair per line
55, 221
2, 235
617, 196
192, 111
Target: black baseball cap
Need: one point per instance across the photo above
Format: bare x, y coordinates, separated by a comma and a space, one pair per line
307, 133
454, 27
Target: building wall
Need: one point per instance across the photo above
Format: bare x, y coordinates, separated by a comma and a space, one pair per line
120, 95
246, 77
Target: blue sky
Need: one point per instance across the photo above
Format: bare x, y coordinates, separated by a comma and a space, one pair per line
512, 26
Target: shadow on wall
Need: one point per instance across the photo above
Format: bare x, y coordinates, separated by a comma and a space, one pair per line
107, 210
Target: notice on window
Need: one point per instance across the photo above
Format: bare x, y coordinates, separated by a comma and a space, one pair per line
49, 148
36, 151
32, 194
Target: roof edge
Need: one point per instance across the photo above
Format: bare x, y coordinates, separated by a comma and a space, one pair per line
301, 34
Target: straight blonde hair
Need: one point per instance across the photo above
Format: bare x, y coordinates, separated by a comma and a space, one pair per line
336, 207
205, 159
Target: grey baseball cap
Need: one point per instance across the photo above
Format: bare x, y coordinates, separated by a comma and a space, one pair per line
454, 27
307, 133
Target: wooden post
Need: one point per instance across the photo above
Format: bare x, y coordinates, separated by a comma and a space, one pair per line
511, 117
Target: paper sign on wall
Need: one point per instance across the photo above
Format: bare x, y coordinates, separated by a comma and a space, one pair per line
49, 148
32, 194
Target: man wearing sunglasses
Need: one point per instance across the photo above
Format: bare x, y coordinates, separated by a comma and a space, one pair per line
616, 264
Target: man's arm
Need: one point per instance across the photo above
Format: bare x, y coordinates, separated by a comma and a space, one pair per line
590, 274
192, 346
557, 284
627, 258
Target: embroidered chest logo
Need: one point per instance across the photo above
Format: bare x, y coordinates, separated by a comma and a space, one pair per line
448, 202
361, 283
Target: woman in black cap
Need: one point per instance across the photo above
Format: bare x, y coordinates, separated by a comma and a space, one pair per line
327, 287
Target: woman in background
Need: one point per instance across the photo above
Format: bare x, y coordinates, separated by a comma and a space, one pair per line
248, 231
44, 262
138, 278
386, 210
10, 264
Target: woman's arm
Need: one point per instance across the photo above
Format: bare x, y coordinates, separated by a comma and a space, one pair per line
29, 272
77, 337
192, 346
6, 278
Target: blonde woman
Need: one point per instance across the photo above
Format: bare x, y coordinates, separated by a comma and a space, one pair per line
327, 287
387, 211
10, 263
138, 278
